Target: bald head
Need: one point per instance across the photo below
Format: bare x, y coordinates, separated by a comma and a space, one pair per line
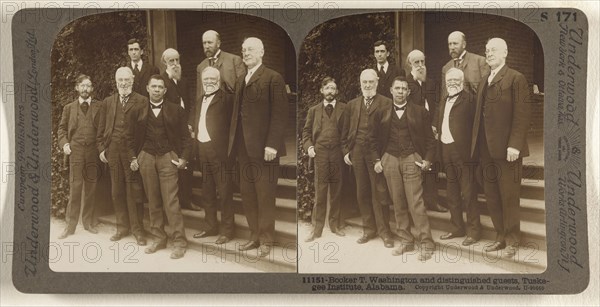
496, 52
456, 44
211, 42
170, 57
253, 51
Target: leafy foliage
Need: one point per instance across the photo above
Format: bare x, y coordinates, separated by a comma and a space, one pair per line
340, 48
94, 45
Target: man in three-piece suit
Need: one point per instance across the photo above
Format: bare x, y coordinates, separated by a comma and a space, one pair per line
159, 144
126, 186
473, 65
371, 188
77, 137
401, 137
502, 119
455, 124
142, 71
385, 70
177, 92
258, 124
210, 123
230, 66
323, 137
424, 93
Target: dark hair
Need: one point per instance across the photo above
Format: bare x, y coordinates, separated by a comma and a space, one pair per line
82, 77
157, 77
326, 81
401, 79
133, 41
379, 43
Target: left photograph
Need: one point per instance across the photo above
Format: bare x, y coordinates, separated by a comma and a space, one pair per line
173, 144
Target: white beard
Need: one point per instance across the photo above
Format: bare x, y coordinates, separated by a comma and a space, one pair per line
453, 90
369, 93
174, 71
125, 91
420, 75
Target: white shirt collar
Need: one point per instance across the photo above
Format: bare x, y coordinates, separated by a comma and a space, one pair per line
89, 100
325, 103
139, 64
156, 104
462, 55
253, 70
385, 66
495, 71
216, 56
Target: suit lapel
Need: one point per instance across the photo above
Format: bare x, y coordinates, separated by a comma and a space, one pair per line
73, 114
256, 75
94, 108
499, 75
318, 116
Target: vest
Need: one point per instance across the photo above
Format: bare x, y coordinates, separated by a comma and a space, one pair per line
363, 126
329, 136
85, 134
400, 142
118, 134
156, 141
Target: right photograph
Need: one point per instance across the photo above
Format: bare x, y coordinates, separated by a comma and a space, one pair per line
420, 145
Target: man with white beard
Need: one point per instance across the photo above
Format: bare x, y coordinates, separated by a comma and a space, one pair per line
126, 188
455, 124
371, 189
177, 92
424, 93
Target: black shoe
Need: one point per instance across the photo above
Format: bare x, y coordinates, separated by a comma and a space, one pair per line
192, 206
92, 229
403, 249
469, 241
263, 250
495, 246
141, 241
388, 242
312, 237
248, 245
339, 232
204, 234
437, 208
222, 240
118, 236
451, 235
510, 251
364, 239
155, 247
65, 234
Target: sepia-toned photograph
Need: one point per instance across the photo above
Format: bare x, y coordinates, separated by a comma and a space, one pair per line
420, 145
173, 144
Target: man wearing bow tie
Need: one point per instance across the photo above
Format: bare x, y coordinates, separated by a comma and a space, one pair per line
159, 144
126, 186
502, 119
141, 70
424, 93
256, 136
324, 137
371, 189
402, 145
230, 66
473, 65
455, 124
386, 71
177, 92
210, 122
77, 137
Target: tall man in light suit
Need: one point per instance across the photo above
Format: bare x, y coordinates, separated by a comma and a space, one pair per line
159, 144
141, 70
230, 66
77, 137
455, 124
502, 119
258, 123
323, 137
371, 189
210, 123
126, 186
177, 93
473, 65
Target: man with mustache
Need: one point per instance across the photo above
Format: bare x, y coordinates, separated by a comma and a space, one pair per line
177, 92
371, 190
324, 137
210, 121
385, 70
126, 189
473, 65
230, 66
256, 135
159, 144
424, 93
77, 137
502, 119
455, 124
141, 70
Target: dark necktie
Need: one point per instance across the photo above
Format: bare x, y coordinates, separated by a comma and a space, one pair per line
124, 100
154, 106
368, 102
329, 109
381, 71
456, 62
211, 62
452, 96
84, 107
136, 71
397, 108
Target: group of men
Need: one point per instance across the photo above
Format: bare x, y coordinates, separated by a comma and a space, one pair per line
394, 133
149, 130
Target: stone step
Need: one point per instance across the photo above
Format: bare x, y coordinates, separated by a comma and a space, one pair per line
530, 188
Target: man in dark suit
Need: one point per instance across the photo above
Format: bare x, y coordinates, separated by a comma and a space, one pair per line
502, 119
473, 65
230, 66
211, 118
142, 71
424, 93
177, 92
159, 144
385, 70
402, 144
77, 137
323, 137
371, 188
126, 186
258, 124
455, 124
